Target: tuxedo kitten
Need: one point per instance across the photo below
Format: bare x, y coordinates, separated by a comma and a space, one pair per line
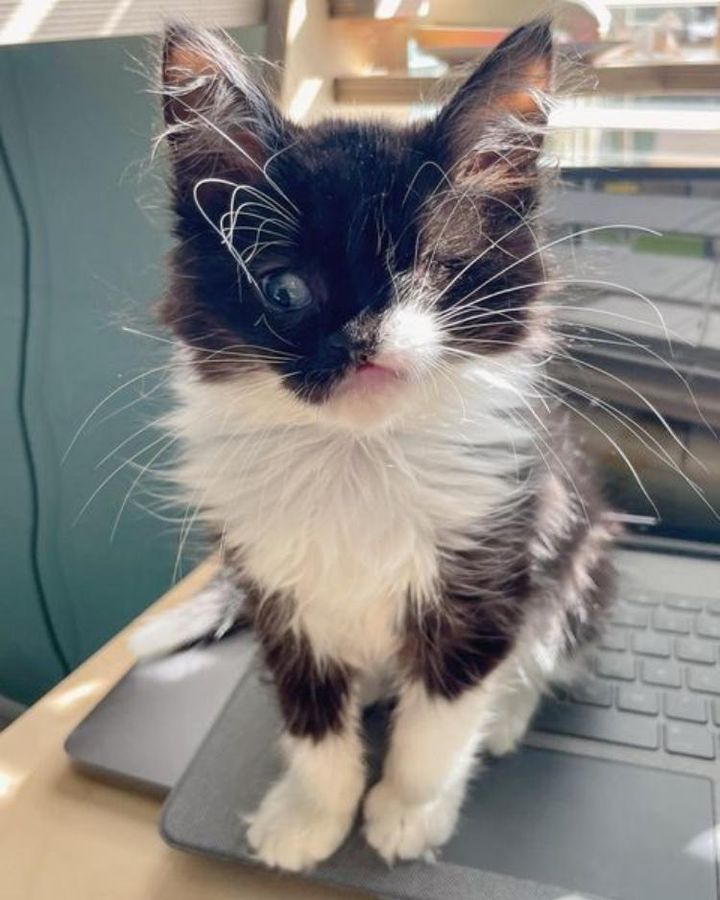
364, 422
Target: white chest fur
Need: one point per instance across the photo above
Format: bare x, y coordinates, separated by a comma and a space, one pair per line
347, 524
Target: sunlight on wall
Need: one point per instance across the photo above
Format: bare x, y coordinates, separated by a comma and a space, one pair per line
303, 97
386, 9
25, 19
110, 24
296, 19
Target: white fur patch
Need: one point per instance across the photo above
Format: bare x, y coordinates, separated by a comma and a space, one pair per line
413, 810
307, 813
347, 520
210, 613
401, 830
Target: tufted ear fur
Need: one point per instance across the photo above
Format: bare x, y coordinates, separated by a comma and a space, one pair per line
493, 125
218, 115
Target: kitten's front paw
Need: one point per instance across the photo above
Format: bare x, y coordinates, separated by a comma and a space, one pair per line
399, 830
290, 833
511, 725
504, 739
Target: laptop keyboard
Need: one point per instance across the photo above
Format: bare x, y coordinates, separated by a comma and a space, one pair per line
654, 682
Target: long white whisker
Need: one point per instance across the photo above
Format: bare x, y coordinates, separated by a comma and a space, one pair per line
634, 427
535, 252
236, 146
619, 450
569, 281
114, 472
626, 339
127, 440
135, 483
103, 402
656, 412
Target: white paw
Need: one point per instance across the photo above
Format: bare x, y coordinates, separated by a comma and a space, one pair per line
506, 735
399, 830
288, 832
503, 740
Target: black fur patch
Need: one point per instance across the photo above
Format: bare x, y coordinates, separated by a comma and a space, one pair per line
453, 644
486, 592
312, 695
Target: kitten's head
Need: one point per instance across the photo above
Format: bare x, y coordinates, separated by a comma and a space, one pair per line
349, 264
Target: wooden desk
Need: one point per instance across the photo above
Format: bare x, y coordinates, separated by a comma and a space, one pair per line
65, 836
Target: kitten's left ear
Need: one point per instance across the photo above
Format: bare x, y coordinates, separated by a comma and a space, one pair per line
497, 116
217, 112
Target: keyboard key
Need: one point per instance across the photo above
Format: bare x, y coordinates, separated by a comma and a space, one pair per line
648, 644
708, 627
601, 725
629, 616
686, 706
613, 639
716, 711
713, 607
638, 699
615, 665
689, 740
592, 692
679, 623
643, 598
666, 674
707, 680
678, 601
690, 650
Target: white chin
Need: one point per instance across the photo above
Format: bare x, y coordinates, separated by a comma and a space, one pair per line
365, 409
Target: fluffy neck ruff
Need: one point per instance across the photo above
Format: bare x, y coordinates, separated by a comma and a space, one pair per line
342, 518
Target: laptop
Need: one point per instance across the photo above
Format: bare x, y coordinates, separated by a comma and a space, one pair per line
614, 794
146, 730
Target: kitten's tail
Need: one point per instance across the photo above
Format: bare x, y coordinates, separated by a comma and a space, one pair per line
209, 615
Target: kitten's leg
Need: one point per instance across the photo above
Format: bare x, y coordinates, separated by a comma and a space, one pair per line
305, 816
307, 813
511, 716
414, 807
539, 660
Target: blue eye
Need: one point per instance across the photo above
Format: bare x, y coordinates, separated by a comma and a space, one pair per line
286, 291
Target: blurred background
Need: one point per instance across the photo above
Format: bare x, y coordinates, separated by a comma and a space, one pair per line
86, 538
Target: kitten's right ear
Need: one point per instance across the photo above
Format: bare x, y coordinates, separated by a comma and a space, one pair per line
217, 113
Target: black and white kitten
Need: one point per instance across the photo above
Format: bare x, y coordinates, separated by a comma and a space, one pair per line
362, 416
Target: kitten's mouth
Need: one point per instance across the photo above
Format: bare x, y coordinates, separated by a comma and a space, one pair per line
370, 377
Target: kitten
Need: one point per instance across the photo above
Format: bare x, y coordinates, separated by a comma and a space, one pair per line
361, 408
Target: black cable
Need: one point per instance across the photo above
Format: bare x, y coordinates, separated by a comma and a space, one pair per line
22, 411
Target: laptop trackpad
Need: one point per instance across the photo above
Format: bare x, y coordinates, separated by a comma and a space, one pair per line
618, 830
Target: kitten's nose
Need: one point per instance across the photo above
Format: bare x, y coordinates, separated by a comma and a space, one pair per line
357, 352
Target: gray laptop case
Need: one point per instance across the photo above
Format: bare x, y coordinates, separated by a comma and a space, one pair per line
599, 827
146, 730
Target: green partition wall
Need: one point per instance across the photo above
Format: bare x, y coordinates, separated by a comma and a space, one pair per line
28, 660
81, 254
